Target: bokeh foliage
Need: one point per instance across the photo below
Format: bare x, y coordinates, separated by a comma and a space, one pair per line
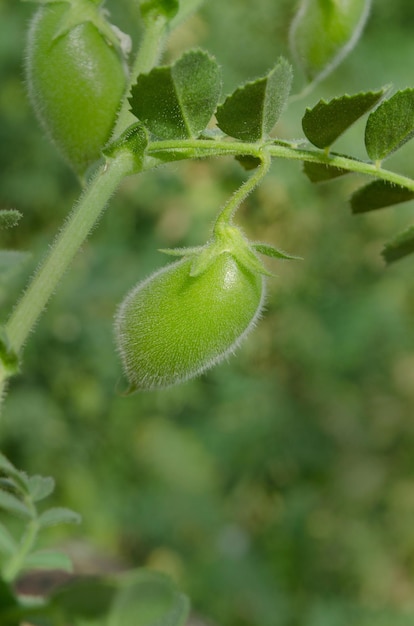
279, 488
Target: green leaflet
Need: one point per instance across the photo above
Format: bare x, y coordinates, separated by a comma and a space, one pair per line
391, 125
251, 111
320, 173
178, 101
324, 32
326, 121
399, 247
377, 195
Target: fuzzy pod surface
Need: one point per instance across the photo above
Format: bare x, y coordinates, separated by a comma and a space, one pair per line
173, 326
76, 78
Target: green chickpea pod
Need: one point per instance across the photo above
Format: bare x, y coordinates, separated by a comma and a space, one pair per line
191, 314
77, 76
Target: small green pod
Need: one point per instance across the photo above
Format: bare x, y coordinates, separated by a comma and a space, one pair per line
174, 325
77, 77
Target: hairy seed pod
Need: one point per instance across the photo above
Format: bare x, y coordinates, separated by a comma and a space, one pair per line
175, 325
76, 76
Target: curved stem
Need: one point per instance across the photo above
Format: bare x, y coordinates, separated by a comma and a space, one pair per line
227, 212
73, 234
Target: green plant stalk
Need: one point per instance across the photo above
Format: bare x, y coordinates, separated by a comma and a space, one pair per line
202, 148
72, 236
86, 212
226, 214
14, 566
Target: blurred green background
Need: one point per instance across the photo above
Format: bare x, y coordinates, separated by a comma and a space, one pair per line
278, 489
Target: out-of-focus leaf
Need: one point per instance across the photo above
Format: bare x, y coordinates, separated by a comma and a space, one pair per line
41, 487
149, 599
399, 247
7, 543
251, 111
377, 195
48, 559
87, 597
9, 259
324, 32
58, 515
12, 504
326, 121
178, 101
391, 125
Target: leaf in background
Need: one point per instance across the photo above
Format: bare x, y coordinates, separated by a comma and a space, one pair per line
47, 559
320, 173
19, 479
58, 515
9, 218
149, 599
87, 597
251, 111
9, 259
7, 601
7, 543
167, 8
11, 504
326, 121
41, 487
178, 101
391, 125
324, 32
399, 247
377, 195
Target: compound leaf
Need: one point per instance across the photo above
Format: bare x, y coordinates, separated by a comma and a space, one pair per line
251, 111
324, 32
399, 247
326, 121
391, 125
178, 101
377, 195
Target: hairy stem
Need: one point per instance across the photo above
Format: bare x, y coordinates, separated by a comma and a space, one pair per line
73, 234
226, 214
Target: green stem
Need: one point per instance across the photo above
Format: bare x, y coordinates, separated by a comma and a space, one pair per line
73, 234
226, 214
199, 148
13, 567
148, 55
